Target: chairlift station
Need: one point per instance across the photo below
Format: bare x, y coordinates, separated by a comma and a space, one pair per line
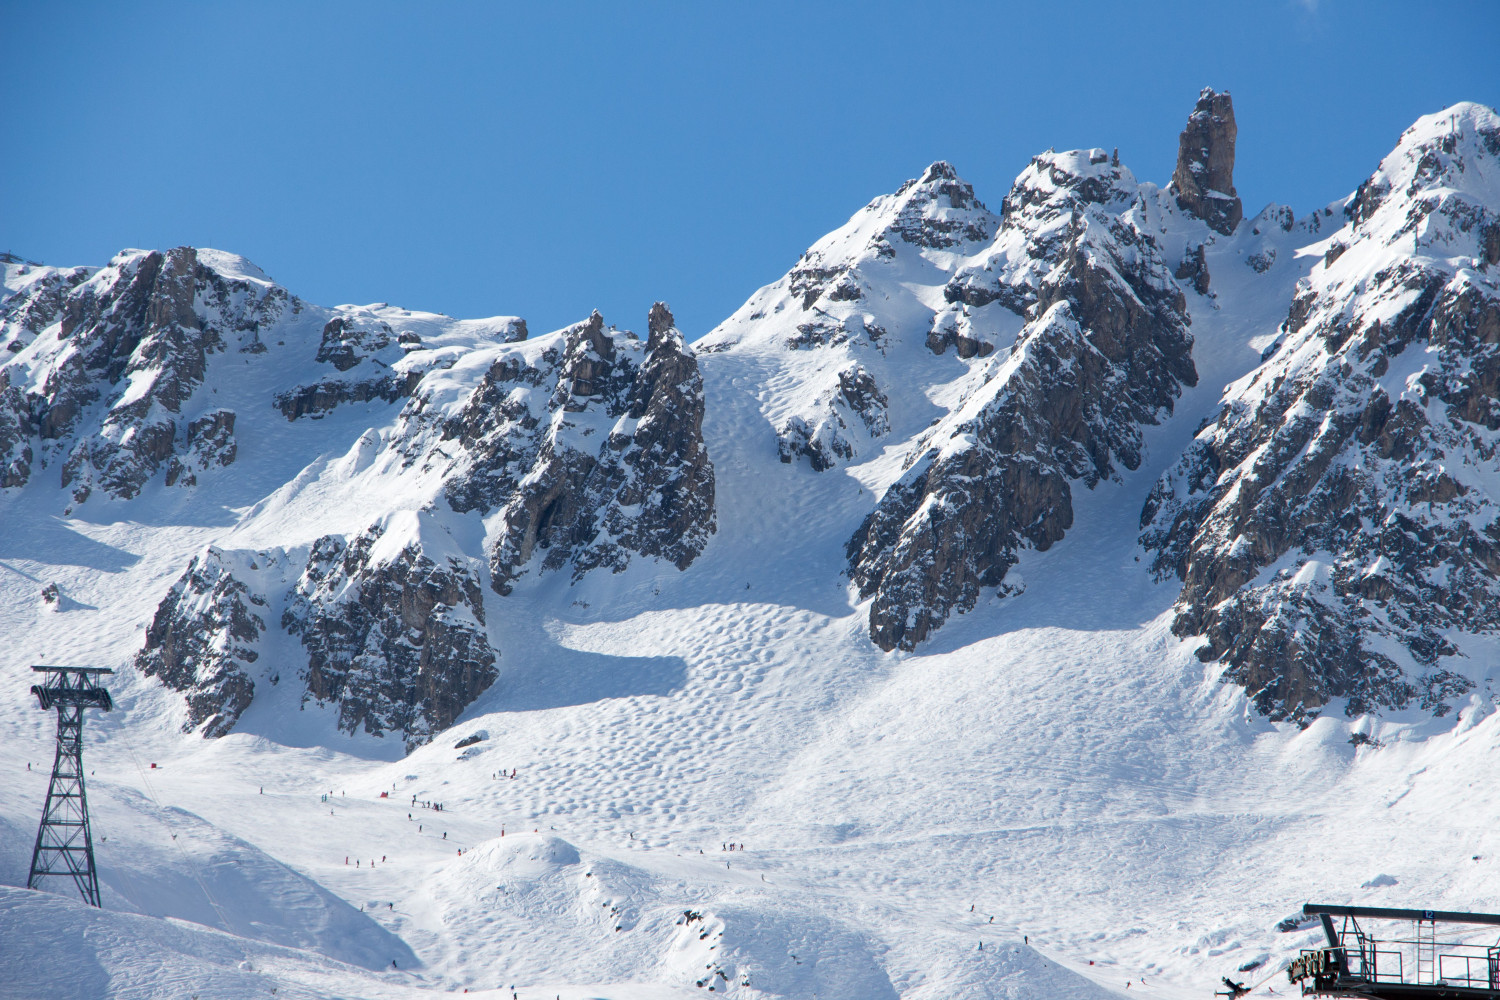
1421, 966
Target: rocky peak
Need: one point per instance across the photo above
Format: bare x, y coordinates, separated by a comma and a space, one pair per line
937, 211
1335, 528
136, 335
1203, 182
588, 363
659, 323
940, 184
1056, 184
1106, 351
662, 502
1453, 152
1041, 218
645, 485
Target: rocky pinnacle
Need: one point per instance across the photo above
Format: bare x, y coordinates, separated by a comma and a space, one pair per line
1203, 182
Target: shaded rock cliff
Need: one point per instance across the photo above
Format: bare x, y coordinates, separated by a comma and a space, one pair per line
393, 624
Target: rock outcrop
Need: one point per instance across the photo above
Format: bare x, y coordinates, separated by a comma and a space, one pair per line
620, 466
36, 303
371, 359
1337, 527
588, 444
1203, 181
847, 313
17, 430
393, 624
853, 395
1106, 351
202, 640
109, 389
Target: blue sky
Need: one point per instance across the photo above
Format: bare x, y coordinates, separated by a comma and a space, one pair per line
547, 159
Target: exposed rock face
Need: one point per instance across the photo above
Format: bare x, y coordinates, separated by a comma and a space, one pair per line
1001, 284
137, 336
316, 399
940, 211
349, 340
16, 433
853, 396
1204, 179
393, 623
587, 445
1339, 522
36, 304
1107, 350
848, 312
498, 428
1194, 269
371, 357
210, 443
202, 639
618, 467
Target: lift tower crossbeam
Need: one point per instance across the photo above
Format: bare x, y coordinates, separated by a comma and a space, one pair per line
64, 843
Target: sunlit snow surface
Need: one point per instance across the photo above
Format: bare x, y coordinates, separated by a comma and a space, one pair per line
1054, 767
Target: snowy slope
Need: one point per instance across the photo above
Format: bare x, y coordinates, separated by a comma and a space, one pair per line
1049, 796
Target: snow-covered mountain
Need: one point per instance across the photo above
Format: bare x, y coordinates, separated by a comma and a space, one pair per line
1336, 527
1029, 591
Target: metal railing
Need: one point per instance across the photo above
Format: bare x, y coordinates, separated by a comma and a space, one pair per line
1437, 963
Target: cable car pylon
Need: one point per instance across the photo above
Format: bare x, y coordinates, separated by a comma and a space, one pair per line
64, 843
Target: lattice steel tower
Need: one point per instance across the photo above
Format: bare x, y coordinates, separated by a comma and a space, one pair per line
64, 845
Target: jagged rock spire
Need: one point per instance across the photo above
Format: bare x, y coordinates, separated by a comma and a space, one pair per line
1204, 179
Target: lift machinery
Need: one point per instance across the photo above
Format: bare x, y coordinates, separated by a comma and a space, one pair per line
1461, 964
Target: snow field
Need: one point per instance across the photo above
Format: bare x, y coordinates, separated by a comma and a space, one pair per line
1051, 798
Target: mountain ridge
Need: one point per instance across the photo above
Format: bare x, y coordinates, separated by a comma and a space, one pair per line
689, 591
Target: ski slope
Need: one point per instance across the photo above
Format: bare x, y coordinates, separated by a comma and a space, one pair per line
1051, 798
